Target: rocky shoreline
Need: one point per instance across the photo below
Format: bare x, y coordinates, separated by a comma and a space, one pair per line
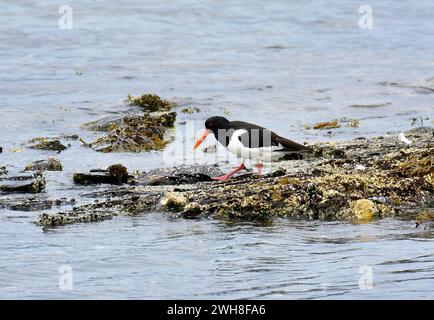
357, 181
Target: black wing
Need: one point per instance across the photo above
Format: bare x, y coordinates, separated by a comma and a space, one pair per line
259, 137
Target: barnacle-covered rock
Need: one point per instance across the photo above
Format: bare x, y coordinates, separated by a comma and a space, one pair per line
396, 180
23, 183
52, 144
115, 174
363, 210
173, 201
118, 172
50, 164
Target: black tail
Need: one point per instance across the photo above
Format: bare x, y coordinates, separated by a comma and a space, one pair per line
293, 146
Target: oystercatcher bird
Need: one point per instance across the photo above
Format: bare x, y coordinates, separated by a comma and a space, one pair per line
249, 141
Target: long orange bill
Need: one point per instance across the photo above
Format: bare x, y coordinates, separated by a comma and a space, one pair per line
198, 142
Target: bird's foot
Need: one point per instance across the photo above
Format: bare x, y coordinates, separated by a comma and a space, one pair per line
222, 178
229, 175
259, 166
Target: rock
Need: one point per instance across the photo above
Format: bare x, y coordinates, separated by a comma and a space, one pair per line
166, 119
190, 110
23, 184
353, 124
70, 137
363, 210
319, 188
179, 175
118, 172
338, 154
35, 203
174, 201
3, 170
1, 149
105, 124
46, 144
48, 220
50, 164
426, 218
93, 178
115, 174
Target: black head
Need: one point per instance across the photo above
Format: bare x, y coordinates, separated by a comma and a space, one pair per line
216, 123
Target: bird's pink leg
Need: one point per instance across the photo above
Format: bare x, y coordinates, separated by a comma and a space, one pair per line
229, 175
259, 166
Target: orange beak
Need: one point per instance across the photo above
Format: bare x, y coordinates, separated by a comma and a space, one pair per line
198, 142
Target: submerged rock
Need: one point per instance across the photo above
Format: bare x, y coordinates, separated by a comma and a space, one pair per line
179, 175
115, 174
22, 183
190, 110
105, 124
425, 218
34, 203
363, 210
118, 172
46, 144
174, 201
50, 164
3, 170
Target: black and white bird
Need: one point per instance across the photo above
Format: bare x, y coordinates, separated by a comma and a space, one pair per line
249, 141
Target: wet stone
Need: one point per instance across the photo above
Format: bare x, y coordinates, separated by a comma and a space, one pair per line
179, 175
3, 170
51, 164
22, 183
396, 180
46, 144
35, 204
115, 174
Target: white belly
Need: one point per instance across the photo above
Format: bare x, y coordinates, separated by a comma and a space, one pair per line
265, 154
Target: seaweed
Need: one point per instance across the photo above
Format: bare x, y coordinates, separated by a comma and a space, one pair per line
150, 102
327, 125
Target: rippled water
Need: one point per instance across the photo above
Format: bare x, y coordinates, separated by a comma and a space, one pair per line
276, 63
154, 256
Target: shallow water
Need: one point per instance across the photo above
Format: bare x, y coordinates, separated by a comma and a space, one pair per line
155, 256
279, 64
